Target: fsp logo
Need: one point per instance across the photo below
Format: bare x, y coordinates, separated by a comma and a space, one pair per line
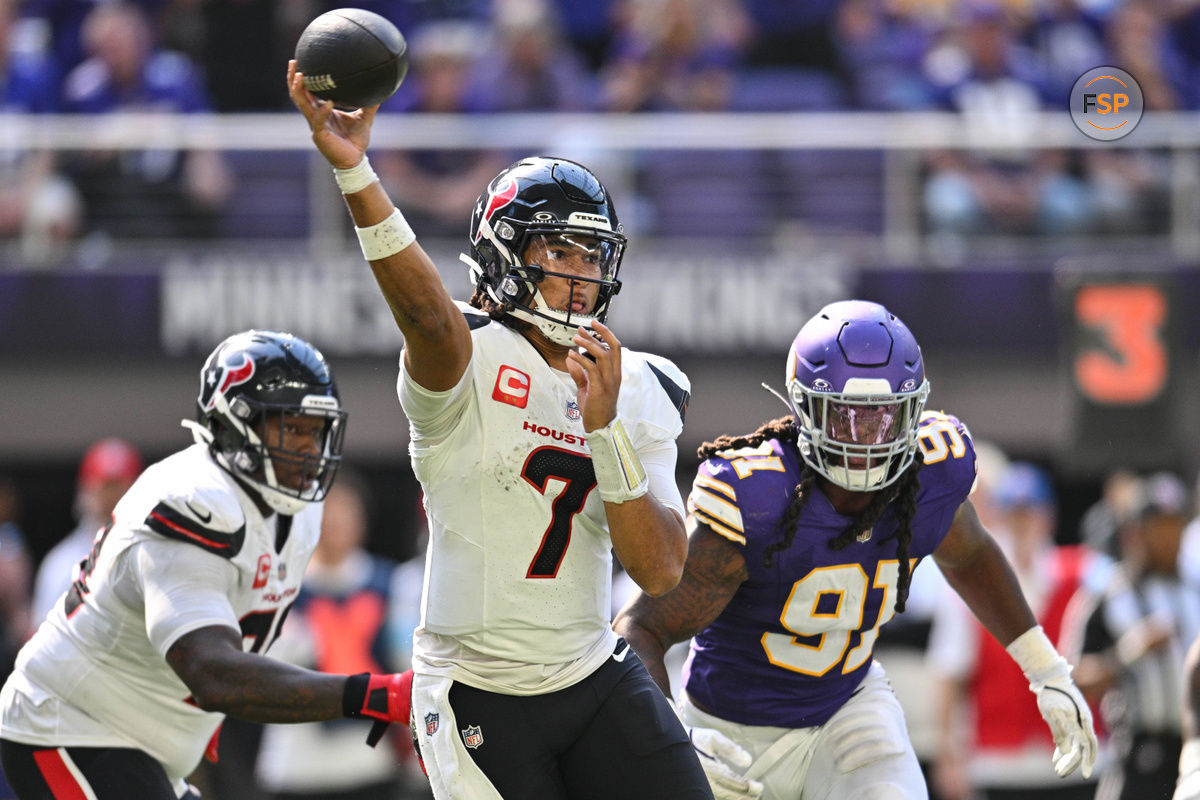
512, 387
1106, 103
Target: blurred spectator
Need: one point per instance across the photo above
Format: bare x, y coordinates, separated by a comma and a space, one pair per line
1099, 523
438, 187
1065, 39
1132, 639
880, 54
680, 55
983, 72
1184, 25
991, 736
147, 193
529, 66
65, 20
1140, 41
588, 25
107, 470
240, 45
345, 619
16, 570
671, 55
791, 34
36, 203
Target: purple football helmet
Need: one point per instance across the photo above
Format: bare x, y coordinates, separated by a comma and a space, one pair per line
856, 385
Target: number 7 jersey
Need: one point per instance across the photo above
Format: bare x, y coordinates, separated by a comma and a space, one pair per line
518, 570
796, 639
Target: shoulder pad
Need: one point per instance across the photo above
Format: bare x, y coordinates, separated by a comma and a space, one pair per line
476, 320
474, 317
735, 479
189, 520
943, 436
672, 380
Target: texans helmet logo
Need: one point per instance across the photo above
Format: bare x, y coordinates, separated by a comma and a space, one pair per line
498, 198
222, 377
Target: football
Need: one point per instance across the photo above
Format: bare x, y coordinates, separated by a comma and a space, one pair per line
352, 56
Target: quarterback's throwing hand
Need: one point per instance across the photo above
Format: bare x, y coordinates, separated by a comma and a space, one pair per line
341, 136
725, 764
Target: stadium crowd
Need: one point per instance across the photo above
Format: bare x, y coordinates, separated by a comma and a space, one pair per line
620, 56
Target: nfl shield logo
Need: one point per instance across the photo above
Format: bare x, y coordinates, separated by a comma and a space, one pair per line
473, 737
431, 723
572, 410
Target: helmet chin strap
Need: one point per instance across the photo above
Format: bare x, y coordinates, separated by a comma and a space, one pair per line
276, 500
551, 322
857, 480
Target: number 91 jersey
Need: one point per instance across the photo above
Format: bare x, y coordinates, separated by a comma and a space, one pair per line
796, 639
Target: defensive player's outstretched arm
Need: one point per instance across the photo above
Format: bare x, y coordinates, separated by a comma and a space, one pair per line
714, 570
437, 342
712, 574
222, 677
976, 568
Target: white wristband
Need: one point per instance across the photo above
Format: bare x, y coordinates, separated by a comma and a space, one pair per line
1037, 658
387, 238
620, 475
355, 179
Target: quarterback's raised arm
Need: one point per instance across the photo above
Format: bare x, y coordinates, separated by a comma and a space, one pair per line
436, 338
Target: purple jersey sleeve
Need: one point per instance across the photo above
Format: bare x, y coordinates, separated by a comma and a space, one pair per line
796, 639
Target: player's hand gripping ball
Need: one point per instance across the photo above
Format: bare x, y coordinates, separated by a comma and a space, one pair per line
353, 57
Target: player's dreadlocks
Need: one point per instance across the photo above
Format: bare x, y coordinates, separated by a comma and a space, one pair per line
483, 301
497, 311
903, 492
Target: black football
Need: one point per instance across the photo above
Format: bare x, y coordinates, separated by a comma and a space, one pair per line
353, 57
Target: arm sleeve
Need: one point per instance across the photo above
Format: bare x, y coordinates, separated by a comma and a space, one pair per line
432, 415
658, 459
183, 589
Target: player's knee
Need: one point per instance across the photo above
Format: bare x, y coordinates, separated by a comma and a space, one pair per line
864, 736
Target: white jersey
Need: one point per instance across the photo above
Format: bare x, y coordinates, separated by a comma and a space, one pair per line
187, 549
518, 570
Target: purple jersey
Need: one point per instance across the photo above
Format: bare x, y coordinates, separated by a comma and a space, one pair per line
796, 638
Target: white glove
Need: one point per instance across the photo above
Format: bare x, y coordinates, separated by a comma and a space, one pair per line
1070, 720
1188, 787
1059, 700
725, 764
